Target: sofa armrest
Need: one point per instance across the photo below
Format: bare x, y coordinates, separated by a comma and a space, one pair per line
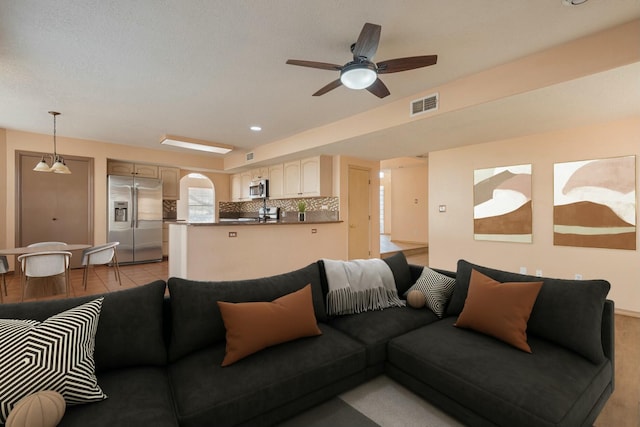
608, 335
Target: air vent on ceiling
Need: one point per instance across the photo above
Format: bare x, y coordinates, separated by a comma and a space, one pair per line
423, 105
249, 156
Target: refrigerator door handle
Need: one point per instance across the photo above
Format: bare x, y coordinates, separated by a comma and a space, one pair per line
134, 202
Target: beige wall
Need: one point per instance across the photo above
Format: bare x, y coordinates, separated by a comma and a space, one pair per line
388, 210
451, 184
3, 188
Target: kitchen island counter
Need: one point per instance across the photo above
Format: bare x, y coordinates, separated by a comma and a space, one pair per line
233, 250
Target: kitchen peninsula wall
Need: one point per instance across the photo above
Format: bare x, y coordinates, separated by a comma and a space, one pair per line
318, 208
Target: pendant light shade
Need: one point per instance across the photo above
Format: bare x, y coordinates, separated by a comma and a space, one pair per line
57, 162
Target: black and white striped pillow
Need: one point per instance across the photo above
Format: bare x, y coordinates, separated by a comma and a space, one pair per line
56, 354
436, 288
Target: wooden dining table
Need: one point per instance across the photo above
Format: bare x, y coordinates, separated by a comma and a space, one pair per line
53, 247
48, 290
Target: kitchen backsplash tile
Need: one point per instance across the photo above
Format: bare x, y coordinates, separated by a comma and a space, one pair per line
169, 209
317, 207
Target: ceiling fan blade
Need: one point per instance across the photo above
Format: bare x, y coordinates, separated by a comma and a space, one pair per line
379, 89
367, 43
331, 86
313, 64
404, 64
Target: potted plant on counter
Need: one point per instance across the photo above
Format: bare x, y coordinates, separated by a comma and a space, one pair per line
302, 207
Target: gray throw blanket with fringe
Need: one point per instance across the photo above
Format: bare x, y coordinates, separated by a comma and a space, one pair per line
360, 285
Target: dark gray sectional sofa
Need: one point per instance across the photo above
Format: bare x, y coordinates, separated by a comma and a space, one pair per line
158, 356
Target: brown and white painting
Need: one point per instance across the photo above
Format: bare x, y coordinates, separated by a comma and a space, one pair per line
595, 203
502, 204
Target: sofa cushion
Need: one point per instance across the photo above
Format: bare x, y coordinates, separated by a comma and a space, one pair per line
196, 321
130, 330
567, 312
499, 309
207, 393
374, 329
401, 272
551, 387
436, 288
254, 326
138, 396
56, 354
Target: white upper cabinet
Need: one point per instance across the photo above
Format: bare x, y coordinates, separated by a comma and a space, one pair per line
170, 182
276, 181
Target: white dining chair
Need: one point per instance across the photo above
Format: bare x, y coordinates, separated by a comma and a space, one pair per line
99, 255
35, 245
44, 264
4, 269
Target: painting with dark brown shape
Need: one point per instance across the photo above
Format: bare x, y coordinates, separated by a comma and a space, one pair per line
595, 203
502, 204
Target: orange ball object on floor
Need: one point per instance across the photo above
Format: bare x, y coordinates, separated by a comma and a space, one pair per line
41, 409
416, 299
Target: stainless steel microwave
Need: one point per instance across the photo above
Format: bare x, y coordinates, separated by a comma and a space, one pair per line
259, 189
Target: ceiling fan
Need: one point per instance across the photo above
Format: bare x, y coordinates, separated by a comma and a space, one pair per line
362, 73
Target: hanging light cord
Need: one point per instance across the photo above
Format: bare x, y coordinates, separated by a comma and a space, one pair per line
55, 151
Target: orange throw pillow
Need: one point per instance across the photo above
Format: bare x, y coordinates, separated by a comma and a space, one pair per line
254, 326
501, 310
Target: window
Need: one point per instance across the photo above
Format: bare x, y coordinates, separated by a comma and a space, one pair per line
200, 199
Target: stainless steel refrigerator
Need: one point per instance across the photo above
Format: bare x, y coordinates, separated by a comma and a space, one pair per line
135, 218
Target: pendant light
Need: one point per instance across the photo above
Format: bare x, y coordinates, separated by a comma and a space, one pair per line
58, 164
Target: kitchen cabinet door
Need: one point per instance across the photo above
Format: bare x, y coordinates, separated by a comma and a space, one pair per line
291, 180
170, 182
246, 182
145, 171
276, 181
310, 176
260, 173
236, 187
120, 168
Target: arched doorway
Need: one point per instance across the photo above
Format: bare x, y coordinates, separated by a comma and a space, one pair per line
199, 203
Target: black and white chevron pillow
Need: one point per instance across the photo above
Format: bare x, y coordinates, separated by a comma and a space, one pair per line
436, 288
56, 354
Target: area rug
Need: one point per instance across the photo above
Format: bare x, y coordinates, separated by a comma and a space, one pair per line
380, 402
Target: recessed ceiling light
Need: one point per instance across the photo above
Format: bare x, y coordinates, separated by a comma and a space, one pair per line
195, 144
255, 128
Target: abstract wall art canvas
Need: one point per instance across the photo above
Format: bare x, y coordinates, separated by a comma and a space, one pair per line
502, 204
595, 203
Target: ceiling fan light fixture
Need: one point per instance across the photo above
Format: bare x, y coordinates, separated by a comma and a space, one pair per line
358, 75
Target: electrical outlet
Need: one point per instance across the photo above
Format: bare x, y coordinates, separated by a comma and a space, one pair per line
314, 230
578, 276
538, 272
442, 208
233, 234
523, 270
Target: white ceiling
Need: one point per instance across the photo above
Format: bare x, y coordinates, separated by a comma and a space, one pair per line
130, 71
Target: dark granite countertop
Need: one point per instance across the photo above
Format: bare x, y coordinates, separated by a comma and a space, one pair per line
236, 222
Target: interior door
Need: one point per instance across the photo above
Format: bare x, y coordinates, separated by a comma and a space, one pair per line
359, 214
54, 207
